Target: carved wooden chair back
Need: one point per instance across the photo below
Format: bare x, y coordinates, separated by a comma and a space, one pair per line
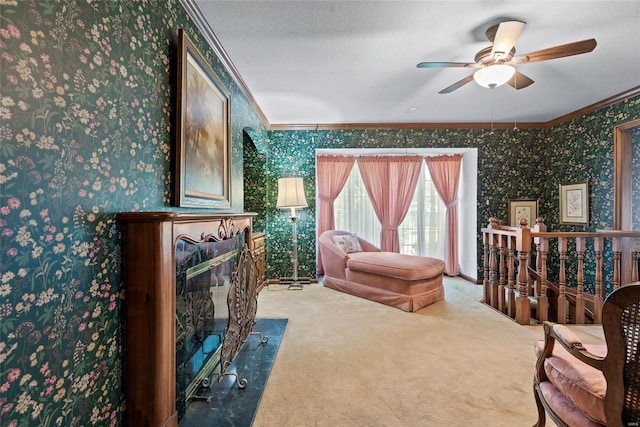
621, 367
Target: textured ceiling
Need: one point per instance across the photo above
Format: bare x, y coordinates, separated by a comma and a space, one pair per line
346, 62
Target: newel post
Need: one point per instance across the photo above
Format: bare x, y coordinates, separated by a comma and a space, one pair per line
523, 246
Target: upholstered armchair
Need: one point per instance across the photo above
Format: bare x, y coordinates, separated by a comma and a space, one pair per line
593, 385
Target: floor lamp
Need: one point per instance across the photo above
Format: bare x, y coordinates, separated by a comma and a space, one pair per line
291, 196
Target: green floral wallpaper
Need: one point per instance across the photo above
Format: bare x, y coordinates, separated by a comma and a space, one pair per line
86, 100
523, 163
254, 161
86, 104
582, 150
504, 173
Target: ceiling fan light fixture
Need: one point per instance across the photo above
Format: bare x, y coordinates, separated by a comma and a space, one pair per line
494, 75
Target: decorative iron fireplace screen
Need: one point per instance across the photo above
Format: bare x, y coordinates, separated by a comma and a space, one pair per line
203, 272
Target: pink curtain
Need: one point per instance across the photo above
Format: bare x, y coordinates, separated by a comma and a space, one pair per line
390, 182
332, 173
445, 173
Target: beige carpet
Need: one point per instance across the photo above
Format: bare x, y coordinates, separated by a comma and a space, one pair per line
346, 361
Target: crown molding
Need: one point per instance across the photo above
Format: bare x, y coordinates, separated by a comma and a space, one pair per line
597, 106
200, 21
198, 18
364, 126
525, 125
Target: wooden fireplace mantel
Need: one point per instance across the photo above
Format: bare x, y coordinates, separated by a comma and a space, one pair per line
149, 277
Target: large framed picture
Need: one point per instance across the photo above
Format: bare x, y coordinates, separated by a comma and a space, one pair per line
574, 203
203, 143
523, 209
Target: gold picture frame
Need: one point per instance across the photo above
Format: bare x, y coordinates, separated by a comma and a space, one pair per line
574, 203
203, 141
523, 208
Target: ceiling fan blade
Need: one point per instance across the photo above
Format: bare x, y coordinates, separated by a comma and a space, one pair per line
457, 85
569, 49
444, 64
519, 81
506, 37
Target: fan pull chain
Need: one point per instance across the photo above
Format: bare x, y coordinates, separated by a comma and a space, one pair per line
515, 103
492, 112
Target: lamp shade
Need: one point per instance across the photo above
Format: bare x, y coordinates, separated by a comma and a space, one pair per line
291, 193
494, 75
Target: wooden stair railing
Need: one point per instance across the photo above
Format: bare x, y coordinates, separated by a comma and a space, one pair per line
552, 289
514, 286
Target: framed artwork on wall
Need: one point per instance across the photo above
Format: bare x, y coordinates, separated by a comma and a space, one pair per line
574, 203
523, 208
203, 142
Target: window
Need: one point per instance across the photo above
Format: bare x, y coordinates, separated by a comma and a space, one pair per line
421, 232
353, 211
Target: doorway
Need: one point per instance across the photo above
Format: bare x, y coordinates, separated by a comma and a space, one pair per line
626, 173
624, 153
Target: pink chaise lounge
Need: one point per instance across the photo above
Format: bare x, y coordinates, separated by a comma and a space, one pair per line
406, 282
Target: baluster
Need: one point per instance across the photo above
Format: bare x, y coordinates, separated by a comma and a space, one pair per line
493, 276
492, 297
543, 302
635, 274
540, 227
487, 293
562, 297
511, 298
529, 278
580, 247
598, 298
615, 244
523, 245
536, 241
502, 246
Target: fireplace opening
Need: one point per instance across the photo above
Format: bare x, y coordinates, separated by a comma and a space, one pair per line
203, 271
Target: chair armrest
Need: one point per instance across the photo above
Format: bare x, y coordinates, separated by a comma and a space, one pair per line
368, 247
334, 260
572, 344
566, 336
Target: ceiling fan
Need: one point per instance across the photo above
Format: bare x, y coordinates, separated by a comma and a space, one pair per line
495, 63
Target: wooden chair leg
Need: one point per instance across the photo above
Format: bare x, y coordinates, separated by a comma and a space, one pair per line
541, 414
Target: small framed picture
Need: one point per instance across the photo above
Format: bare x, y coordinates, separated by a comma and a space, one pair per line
574, 203
523, 209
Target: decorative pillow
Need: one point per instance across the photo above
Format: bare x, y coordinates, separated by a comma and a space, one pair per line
348, 243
